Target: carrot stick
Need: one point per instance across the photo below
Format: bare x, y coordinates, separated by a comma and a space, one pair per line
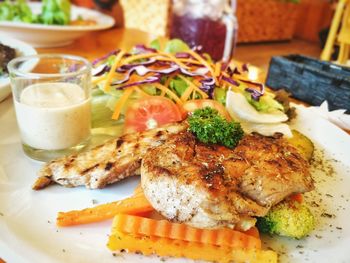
112, 71
121, 102
132, 205
297, 197
192, 250
136, 225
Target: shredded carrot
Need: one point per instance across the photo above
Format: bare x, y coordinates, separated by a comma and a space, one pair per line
178, 248
187, 93
137, 57
186, 96
121, 102
112, 70
139, 90
136, 225
217, 69
176, 60
133, 205
204, 62
183, 60
194, 95
170, 78
169, 92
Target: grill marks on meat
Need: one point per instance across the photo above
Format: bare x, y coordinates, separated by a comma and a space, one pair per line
107, 163
276, 170
209, 186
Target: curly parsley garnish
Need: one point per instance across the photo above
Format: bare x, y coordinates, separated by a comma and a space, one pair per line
210, 127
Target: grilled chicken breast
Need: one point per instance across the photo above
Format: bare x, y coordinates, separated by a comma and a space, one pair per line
107, 163
210, 186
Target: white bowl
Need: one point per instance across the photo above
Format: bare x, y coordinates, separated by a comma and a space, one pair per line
22, 49
39, 35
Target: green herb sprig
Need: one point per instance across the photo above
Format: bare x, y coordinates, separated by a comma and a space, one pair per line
210, 127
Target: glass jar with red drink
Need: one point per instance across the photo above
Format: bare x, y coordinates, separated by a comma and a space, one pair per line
209, 25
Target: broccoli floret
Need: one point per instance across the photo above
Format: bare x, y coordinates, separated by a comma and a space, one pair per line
288, 218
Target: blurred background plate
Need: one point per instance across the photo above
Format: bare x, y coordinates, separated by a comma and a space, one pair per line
22, 49
40, 35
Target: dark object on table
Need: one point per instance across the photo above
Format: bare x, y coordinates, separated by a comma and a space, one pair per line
311, 80
6, 54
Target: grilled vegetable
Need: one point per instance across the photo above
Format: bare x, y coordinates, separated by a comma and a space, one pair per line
303, 144
289, 218
146, 245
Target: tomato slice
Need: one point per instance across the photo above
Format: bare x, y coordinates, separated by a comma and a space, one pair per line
192, 105
151, 112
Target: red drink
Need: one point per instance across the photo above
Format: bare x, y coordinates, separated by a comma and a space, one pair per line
216, 35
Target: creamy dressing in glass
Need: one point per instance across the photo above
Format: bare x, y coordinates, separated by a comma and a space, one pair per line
53, 116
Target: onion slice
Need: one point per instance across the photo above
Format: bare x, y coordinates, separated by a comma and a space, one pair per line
241, 110
267, 129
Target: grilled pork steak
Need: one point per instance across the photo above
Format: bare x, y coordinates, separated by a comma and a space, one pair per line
105, 164
209, 186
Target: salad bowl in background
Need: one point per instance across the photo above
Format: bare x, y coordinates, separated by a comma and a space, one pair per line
22, 49
40, 35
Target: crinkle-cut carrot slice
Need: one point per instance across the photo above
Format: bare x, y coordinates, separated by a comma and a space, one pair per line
178, 248
136, 225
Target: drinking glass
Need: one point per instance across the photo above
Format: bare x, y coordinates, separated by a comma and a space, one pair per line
209, 25
52, 98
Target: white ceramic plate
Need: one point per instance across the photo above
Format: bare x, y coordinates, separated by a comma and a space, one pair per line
27, 218
40, 35
22, 49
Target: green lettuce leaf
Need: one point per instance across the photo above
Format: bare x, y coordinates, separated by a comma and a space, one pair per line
176, 45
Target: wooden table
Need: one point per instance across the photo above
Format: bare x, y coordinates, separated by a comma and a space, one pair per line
99, 43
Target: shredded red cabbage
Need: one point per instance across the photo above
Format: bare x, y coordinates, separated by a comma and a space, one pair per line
143, 49
148, 80
130, 66
229, 80
208, 86
100, 70
142, 71
104, 57
224, 66
245, 67
198, 72
232, 72
255, 94
182, 55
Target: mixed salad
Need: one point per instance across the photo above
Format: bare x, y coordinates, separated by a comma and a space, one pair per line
177, 80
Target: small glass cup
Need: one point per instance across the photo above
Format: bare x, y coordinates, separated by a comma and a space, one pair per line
52, 98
